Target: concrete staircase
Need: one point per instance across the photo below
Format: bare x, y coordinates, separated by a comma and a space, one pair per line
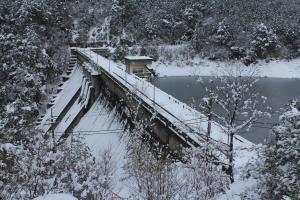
63, 82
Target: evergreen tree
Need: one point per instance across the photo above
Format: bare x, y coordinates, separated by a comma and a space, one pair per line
279, 166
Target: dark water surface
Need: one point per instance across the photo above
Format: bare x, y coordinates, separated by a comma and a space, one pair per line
279, 92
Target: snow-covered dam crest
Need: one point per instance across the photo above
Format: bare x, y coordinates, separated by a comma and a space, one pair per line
170, 117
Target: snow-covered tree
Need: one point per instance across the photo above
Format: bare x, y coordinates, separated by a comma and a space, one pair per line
105, 171
29, 35
151, 175
153, 172
264, 41
239, 104
122, 13
278, 167
207, 104
223, 35
202, 177
34, 168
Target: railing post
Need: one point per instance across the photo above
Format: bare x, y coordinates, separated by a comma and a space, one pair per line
153, 96
125, 75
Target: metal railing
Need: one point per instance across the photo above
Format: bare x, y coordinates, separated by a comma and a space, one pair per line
145, 74
87, 44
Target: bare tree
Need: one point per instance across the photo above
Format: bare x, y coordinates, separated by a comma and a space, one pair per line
151, 173
202, 177
149, 169
238, 104
105, 172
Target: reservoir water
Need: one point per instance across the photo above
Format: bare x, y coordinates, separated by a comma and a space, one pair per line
279, 92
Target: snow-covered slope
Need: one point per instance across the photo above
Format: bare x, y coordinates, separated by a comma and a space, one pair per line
100, 127
201, 67
103, 130
81, 103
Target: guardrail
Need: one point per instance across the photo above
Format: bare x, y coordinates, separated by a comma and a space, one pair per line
87, 44
204, 137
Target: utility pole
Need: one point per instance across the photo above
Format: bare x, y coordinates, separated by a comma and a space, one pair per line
108, 32
52, 132
209, 115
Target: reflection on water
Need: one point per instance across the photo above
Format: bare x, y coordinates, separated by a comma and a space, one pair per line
278, 91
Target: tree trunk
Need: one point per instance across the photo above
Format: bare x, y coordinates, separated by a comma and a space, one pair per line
230, 167
209, 117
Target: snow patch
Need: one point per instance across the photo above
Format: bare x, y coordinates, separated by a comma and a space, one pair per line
61, 196
10, 108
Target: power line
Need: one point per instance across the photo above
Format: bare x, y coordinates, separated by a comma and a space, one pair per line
98, 132
254, 122
85, 116
204, 117
94, 131
255, 126
89, 134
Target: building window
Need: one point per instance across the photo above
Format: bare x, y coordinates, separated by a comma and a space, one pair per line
138, 70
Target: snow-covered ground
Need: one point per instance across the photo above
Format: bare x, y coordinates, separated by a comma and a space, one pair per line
241, 184
201, 67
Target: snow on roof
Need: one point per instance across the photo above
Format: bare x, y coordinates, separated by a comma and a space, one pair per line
138, 58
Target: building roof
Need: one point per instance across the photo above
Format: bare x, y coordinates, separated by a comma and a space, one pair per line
135, 58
